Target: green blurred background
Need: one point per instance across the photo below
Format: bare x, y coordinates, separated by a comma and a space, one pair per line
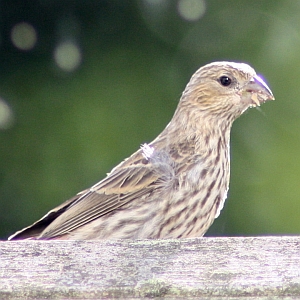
84, 83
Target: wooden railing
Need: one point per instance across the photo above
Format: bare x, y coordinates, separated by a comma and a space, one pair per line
212, 268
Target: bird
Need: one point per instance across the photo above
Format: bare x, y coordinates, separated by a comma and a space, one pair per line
174, 186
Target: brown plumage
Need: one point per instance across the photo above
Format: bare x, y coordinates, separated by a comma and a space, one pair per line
175, 186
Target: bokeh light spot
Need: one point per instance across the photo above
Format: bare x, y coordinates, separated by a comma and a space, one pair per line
6, 115
67, 56
191, 10
23, 36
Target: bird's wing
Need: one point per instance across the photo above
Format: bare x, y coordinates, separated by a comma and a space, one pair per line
129, 181
35, 229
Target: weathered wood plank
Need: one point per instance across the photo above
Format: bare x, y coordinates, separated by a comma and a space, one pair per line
261, 267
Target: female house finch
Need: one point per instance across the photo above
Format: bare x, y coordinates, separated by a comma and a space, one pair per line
175, 186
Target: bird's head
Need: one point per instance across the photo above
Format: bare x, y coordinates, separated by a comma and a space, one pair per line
226, 89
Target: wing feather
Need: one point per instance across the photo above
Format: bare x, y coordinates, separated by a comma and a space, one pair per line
100, 201
129, 181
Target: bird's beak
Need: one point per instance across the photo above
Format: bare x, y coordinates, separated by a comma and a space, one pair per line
256, 92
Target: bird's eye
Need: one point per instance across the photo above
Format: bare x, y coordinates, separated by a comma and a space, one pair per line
225, 80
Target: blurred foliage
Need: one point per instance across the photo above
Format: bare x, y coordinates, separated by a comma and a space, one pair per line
84, 83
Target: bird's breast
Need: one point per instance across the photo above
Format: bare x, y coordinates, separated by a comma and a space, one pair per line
206, 181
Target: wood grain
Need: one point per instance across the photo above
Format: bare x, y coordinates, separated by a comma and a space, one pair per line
259, 267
